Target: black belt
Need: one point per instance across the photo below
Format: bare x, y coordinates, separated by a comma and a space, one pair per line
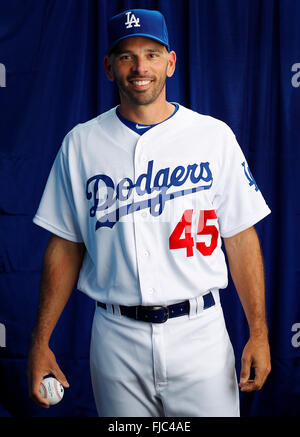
160, 314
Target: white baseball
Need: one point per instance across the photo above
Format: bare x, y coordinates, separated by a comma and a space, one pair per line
52, 390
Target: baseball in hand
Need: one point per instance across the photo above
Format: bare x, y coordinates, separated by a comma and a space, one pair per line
52, 390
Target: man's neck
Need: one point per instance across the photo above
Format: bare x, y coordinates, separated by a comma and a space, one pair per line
147, 114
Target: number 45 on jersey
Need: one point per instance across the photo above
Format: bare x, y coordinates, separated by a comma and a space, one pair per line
184, 226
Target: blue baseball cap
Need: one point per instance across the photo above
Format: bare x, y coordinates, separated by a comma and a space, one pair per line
137, 22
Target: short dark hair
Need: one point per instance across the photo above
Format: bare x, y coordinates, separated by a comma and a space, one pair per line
112, 51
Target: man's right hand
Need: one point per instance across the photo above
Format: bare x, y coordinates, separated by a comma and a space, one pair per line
42, 362
61, 265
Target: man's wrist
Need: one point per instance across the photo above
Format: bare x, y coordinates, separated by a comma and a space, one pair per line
39, 340
259, 331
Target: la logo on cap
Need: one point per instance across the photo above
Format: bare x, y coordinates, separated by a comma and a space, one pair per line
132, 20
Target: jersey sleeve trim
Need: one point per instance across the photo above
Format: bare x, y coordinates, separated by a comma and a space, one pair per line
66, 235
246, 225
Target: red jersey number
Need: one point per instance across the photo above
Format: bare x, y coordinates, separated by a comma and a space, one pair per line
184, 226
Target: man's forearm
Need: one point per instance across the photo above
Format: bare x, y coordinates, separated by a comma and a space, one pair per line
61, 265
247, 271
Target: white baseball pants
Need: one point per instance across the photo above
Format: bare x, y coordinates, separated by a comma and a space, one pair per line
183, 367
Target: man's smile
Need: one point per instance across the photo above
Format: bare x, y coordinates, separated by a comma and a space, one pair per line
140, 84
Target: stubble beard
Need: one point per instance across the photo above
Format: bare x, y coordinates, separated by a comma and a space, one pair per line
141, 98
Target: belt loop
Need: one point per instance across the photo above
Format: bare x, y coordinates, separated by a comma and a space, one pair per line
216, 295
200, 304
193, 308
109, 308
117, 310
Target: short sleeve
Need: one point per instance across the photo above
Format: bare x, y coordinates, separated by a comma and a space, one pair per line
56, 211
238, 202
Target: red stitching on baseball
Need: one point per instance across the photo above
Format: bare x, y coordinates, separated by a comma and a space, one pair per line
45, 390
56, 389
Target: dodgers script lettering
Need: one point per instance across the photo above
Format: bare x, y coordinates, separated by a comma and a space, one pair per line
102, 192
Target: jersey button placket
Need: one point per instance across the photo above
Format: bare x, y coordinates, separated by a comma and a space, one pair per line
141, 227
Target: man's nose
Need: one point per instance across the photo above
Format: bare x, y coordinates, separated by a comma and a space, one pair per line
140, 65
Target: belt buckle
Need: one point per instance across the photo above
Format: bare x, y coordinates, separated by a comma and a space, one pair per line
156, 308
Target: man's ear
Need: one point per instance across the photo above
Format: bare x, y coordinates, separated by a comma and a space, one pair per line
171, 63
108, 68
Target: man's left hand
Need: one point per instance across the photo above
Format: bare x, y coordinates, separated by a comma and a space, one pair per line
256, 354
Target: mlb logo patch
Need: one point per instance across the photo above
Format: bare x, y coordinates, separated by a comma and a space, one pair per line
132, 20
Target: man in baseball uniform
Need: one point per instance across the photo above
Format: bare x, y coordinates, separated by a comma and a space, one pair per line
139, 201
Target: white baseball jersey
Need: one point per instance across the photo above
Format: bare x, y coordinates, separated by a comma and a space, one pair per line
150, 209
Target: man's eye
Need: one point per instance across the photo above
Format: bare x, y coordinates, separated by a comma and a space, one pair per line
153, 55
124, 57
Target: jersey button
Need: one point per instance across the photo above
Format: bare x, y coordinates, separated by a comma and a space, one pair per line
146, 253
151, 290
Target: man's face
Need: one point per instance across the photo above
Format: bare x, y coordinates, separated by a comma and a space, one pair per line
140, 66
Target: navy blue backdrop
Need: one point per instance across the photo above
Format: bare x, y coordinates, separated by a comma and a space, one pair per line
239, 61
